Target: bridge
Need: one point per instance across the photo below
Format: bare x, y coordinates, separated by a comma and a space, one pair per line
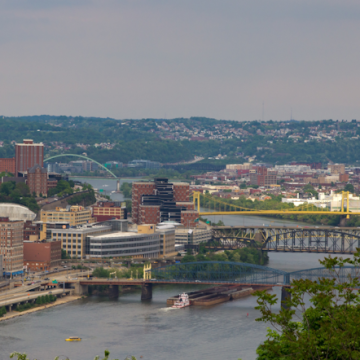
83, 157
307, 239
221, 207
211, 273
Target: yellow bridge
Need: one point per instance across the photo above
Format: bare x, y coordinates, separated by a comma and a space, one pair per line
221, 207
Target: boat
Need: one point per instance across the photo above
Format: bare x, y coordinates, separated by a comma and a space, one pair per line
182, 302
73, 338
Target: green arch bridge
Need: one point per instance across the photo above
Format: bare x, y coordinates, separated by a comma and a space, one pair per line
83, 157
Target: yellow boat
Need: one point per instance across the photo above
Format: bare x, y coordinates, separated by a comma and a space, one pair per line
73, 338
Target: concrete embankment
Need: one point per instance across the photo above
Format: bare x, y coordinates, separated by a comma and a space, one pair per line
60, 301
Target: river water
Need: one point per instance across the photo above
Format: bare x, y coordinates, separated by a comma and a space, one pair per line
127, 326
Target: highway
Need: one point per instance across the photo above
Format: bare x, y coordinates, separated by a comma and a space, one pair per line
31, 296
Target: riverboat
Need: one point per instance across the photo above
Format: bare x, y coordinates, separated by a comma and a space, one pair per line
182, 302
73, 338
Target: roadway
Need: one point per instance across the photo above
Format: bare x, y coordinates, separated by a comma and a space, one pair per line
30, 296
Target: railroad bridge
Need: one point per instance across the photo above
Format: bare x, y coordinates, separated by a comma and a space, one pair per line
317, 239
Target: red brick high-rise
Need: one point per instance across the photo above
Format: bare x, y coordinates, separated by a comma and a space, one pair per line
138, 190
27, 155
161, 201
181, 192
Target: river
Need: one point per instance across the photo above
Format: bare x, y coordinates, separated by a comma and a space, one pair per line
128, 326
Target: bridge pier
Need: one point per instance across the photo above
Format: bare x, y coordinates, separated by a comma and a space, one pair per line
146, 291
285, 295
81, 289
113, 291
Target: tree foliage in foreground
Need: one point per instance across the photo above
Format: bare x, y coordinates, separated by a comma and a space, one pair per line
323, 321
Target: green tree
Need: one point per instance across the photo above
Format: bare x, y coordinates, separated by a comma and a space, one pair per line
350, 188
328, 328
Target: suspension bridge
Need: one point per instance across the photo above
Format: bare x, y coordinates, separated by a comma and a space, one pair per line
222, 207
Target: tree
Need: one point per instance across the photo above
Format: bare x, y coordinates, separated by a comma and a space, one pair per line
328, 328
64, 254
350, 188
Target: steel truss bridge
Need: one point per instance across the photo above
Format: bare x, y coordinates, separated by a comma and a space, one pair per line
219, 272
219, 206
287, 239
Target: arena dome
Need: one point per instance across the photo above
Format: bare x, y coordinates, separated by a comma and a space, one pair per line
16, 212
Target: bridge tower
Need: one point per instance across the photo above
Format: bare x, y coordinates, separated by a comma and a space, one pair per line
196, 200
345, 196
147, 272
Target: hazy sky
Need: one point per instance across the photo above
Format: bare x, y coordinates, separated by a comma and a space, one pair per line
167, 58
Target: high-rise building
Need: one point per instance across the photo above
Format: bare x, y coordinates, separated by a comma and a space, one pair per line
27, 155
160, 201
37, 180
138, 190
11, 246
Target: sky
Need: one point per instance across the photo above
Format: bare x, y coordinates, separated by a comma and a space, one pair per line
224, 59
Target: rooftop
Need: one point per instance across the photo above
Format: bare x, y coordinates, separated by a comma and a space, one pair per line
117, 234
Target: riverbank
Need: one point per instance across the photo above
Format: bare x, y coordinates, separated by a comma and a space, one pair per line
60, 301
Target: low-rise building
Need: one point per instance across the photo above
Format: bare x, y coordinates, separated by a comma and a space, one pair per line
192, 237
31, 231
40, 256
167, 240
120, 244
73, 239
74, 215
107, 210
